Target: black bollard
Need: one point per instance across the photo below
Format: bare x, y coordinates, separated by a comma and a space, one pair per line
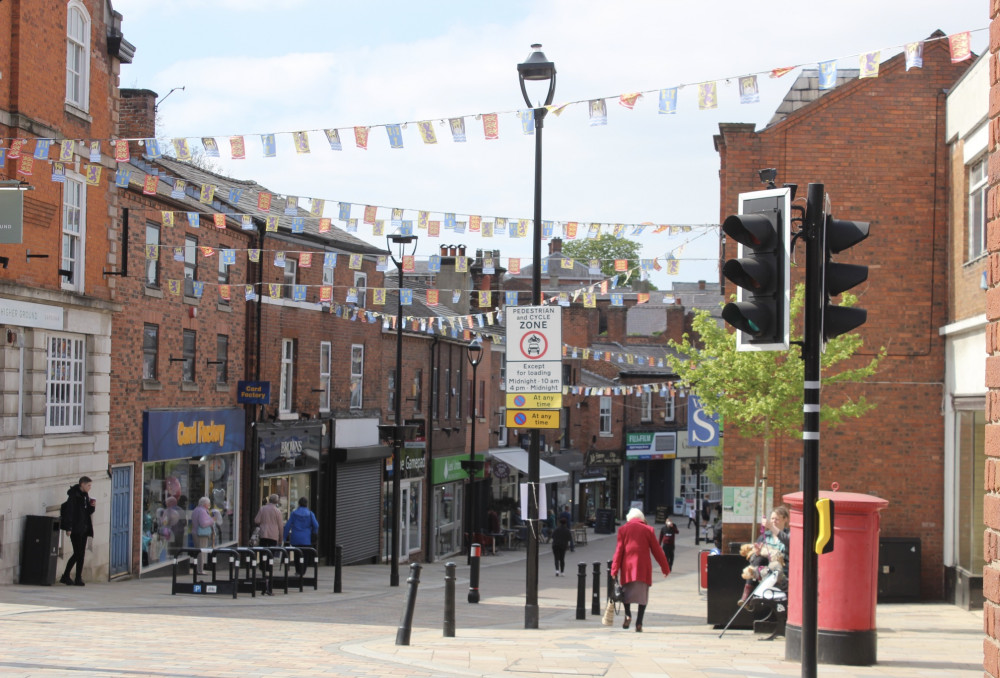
449, 600
338, 554
595, 599
406, 623
611, 580
581, 591
474, 554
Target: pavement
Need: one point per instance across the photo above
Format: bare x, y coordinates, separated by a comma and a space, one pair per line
137, 628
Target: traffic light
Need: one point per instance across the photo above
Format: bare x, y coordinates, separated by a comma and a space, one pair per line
761, 271
838, 278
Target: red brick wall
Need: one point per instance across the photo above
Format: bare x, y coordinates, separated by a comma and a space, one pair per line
877, 145
991, 508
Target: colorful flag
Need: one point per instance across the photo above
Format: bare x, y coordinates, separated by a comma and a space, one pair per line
182, 150
484, 299
432, 297
333, 137
427, 132
193, 219
708, 97
354, 262
617, 299
152, 148
869, 64
673, 266
168, 220
914, 55
344, 211
237, 148
268, 145
434, 263
253, 255
378, 296
330, 260
749, 92
489, 267
352, 225
828, 74
371, 212
298, 224
598, 112
547, 228
409, 263
291, 205
66, 151
778, 72
234, 195
395, 133
279, 259
211, 147
491, 126
298, 292
42, 149
514, 265
500, 226
361, 138
642, 298
224, 292
220, 220
152, 252
567, 263
594, 267
227, 256
178, 189
207, 194
264, 202
274, 290
589, 300
324, 225
961, 47
174, 287
461, 264
629, 100
248, 293
246, 222
58, 171
15, 150
95, 151
301, 141
487, 229
510, 298
457, 126
433, 229
527, 117
92, 173
475, 223
406, 297
621, 265
325, 294
449, 221
271, 223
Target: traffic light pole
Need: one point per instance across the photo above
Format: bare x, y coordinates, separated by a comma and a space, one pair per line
815, 227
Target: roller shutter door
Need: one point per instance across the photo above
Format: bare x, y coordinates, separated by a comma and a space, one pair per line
358, 510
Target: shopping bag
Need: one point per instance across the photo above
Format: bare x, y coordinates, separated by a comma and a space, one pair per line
609, 613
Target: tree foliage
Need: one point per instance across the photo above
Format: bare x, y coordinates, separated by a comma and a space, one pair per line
605, 247
759, 393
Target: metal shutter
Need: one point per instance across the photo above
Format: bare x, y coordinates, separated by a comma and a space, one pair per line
359, 510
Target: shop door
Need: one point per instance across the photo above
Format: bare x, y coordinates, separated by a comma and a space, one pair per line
121, 520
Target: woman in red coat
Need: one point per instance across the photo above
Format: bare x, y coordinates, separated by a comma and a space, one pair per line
631, 566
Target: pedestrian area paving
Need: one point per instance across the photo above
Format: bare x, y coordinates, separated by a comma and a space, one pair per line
136, 628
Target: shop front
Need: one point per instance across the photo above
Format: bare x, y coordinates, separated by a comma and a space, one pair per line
599, 485
649, 458
450, 483
289, 458
187, 455
411, 483
509, 471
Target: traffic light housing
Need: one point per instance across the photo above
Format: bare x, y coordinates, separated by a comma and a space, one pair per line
841, 235
761, 270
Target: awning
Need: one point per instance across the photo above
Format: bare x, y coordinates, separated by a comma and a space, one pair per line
518, 458
599, 479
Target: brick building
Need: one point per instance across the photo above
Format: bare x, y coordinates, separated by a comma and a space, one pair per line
60, 66
876, 144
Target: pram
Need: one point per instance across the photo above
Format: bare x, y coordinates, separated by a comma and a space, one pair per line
766, 595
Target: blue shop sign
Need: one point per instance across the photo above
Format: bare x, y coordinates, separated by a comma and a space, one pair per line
253, 392
175, 434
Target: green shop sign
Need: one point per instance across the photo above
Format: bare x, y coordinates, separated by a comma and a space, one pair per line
449, 469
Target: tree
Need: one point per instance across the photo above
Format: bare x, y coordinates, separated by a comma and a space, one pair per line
759, 393
605, 247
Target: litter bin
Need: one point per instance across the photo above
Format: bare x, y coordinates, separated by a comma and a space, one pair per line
847, 582
725, 587
39, 550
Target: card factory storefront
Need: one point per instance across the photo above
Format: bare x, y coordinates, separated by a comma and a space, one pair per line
187, 455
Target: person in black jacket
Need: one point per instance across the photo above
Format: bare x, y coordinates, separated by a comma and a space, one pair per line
76, 522
561, 539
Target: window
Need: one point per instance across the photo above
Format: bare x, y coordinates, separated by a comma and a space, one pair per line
221, 359
153, 247
391, 391
327, 281
435, 393
646, 406
188, 352
502, 428
567, 374
150, 349
64, 377
978, 178
325, 351
73, 230
458, 391
503, 372
447, 392
418, 390
223, 270
605, 421
668, 406
190, 264
357, 375
287, 375
289, 279
78, 55
481, 401
361, 282
564, 441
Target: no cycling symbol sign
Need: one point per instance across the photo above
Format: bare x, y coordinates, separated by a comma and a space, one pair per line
534, 345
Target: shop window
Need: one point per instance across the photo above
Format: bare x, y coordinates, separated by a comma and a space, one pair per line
189, 354
357, 376
605, 416
78, 55
978, 180
74, 227
150, 350
325, 351
285, 401
64, 383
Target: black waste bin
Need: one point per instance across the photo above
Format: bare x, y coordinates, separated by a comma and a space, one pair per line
725, 588
39, 550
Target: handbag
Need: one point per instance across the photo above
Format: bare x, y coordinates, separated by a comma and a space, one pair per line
204, 531
617, 593
255, 537
609, 613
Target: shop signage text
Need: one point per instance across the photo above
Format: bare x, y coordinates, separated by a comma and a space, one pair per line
253, 392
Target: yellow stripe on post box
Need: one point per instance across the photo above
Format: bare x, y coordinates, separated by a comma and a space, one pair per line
534, 401
533, 419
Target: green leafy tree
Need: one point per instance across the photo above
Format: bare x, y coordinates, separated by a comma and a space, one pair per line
605, 247
759, 393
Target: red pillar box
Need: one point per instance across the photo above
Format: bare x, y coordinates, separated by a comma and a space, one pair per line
847, 581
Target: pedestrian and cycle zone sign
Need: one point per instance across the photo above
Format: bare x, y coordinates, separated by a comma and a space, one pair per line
534, 366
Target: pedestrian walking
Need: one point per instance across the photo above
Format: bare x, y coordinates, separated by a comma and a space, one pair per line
75, 518
269, 519
561, 538
667, 534
631, 565
301, 529
203, 525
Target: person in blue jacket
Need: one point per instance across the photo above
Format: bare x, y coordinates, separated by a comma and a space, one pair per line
301, 529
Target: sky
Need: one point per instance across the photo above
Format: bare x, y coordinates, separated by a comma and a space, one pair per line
250, 67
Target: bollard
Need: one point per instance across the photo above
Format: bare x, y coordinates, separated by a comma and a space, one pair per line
581, 591
595, 599
406, 623
474, 554
449, 600
611, 580
338, 554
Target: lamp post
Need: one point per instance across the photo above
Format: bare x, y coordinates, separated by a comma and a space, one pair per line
401, 241
474, 352
536, 68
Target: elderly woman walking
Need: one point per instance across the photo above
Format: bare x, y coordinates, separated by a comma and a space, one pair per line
631, 566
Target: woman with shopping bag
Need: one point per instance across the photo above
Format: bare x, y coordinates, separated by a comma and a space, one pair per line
631, 566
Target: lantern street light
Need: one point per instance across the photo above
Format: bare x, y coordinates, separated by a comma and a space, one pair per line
401, 241
475, 354
536, 68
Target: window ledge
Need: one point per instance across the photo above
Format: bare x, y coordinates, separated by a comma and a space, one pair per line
189, 386
151, 385
224, 307
222, 387
288, 416
193, 301
78, 112
607, 435
153, 292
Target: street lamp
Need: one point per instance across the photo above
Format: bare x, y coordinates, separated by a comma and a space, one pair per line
401, 241
475, 354
536, 68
